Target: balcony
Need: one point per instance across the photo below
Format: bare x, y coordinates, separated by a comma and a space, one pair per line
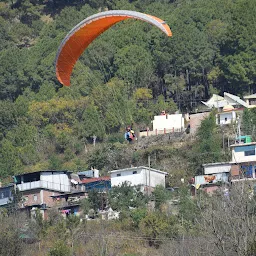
44, 184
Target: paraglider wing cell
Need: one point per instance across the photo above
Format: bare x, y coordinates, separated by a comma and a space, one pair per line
78, 39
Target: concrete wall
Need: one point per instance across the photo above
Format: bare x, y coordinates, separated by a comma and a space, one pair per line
58, 181
196, 119
153, 179
38, 196
143, 177
175, 121
134, 179
230, 116
31, 197
220, 168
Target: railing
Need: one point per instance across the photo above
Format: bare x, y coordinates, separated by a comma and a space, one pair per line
68, 203
44, 184
158, 132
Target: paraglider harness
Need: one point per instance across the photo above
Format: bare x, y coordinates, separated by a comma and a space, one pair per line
129, 134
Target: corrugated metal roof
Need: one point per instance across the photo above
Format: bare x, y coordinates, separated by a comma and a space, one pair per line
90, 180
252, 96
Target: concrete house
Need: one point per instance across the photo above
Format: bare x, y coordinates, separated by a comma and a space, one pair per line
38, 187
244, 152
251, 100
229, 107
165, 123
145, 177
243, 161
220, 102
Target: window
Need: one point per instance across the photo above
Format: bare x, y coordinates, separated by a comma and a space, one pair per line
249, 153
252, 102
118, 175
35, 198
134, 172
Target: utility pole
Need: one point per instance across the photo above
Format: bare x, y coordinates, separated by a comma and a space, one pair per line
238, 132
94, 140
148, 173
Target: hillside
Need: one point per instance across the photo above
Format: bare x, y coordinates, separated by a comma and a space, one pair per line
126, 76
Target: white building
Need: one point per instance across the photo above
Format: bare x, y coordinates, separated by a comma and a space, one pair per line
51, 180
251, 100
219, 102
244, 152
145, 177
214, 168
165, 123
168, 122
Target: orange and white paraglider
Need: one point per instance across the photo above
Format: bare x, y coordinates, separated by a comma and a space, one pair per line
78, 39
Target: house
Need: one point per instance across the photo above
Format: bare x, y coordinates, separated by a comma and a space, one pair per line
243, 152
244, 161
251, 100
228, 115
229, 107
169, 123
6, 195
145, 177
38, 187
219, 102
165, 123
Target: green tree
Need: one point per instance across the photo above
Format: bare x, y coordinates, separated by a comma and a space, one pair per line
60, 248
160, 195
208, 146
156, 227
125, 196
96, 199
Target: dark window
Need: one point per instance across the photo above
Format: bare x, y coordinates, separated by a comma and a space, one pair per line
30, 177
249, 153
5, 193
134, 172
252, 102
118, 175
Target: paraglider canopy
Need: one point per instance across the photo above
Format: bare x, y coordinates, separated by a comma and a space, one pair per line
78, 39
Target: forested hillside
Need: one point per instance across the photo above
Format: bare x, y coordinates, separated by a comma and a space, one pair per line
128, 74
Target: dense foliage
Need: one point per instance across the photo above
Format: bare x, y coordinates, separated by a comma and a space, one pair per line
127, 75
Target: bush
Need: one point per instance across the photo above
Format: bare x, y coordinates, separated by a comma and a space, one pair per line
60, 249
